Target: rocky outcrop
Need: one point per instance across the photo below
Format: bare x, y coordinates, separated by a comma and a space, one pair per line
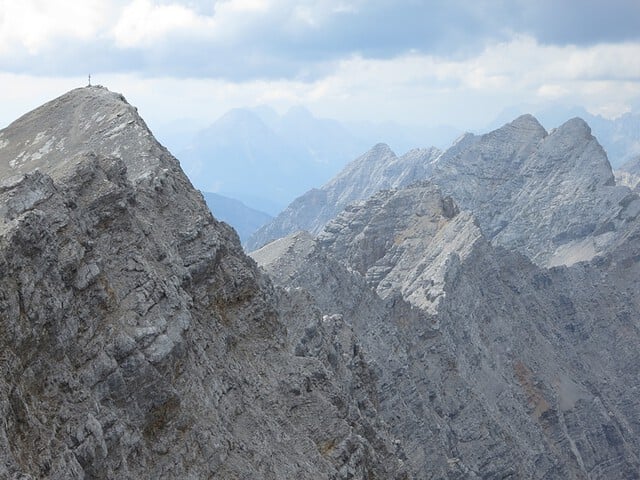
549, 196
138, 341
376, 170
401, 241
513, 372
629, 174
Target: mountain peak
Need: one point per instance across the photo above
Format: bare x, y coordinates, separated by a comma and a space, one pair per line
84, 120
527, 122
575, 127
380, 149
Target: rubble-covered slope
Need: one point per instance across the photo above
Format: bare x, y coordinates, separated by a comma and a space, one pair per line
136, 338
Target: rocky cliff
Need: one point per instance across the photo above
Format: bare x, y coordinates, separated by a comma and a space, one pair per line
551, 196
137, 340
488, 366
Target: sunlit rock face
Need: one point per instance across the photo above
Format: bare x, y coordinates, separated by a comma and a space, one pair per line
486, 364
549, 196
629, 174
406, 339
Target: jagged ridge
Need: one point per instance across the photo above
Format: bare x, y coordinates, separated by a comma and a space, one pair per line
509, 374
376, 170
138, 341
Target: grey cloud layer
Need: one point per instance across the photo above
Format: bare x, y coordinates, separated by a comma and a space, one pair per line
278, 44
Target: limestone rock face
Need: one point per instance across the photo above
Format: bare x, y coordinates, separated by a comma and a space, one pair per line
629, 174
401, 241
403, 341
517, 370
90, 119
376, 170
549, 196
137, 340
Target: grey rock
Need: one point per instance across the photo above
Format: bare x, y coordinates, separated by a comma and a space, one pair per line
628, 174
549, 196
401, 241
517, 371
620, 137
376, 170
138, 341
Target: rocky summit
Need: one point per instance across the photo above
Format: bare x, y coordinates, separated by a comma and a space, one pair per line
138, 341
406, 338
551, 196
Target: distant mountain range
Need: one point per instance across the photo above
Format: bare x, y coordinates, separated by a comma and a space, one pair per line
379, 168
427, 331
266, 163
619, 137
266, 159
550, 195
244, 219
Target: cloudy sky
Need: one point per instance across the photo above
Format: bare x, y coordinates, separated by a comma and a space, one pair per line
411, 61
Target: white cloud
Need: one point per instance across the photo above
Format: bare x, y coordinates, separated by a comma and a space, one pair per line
21, 93
604, 79
33, 24
413, 87
551, 91
242, 6
142, 23
314, 14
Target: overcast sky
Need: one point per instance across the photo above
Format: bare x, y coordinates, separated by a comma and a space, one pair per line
410, 61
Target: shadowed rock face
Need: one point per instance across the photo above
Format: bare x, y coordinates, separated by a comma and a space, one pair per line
138, 341
513, 370
136, 338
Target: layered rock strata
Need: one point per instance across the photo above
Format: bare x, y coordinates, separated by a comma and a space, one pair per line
137, 340
515, 371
